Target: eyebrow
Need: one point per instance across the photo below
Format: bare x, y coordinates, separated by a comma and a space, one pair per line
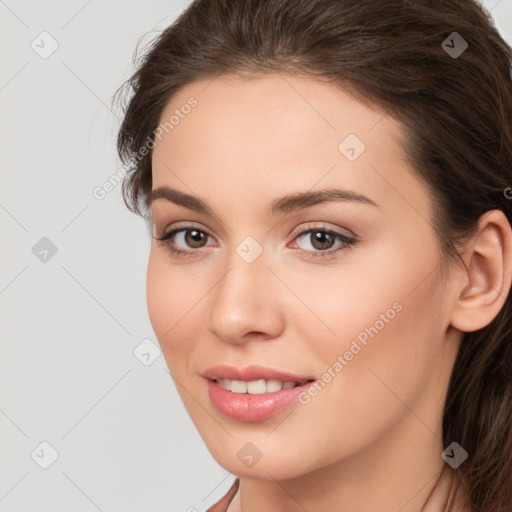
281, 205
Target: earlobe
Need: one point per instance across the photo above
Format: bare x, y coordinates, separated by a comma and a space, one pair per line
488, 276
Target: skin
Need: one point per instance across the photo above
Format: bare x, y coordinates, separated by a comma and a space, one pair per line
371, 439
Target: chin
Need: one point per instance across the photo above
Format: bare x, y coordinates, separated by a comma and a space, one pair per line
246, 456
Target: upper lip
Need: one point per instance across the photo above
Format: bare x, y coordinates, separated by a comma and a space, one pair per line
252, 372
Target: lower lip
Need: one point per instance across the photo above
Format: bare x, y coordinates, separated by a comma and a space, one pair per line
247, 407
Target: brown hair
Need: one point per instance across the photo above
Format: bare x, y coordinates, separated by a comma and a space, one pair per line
456, 111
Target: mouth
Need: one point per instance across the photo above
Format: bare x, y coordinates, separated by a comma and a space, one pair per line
254, 393
258, 387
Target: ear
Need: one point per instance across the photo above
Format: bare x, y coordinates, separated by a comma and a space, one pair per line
486, 282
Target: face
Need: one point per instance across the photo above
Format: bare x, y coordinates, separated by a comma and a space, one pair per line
338, 293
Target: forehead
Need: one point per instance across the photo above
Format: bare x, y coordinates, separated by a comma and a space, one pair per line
292, 106
283, 131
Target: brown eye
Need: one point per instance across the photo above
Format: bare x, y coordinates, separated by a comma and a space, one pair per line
194, 238
185, 240
188, 241
321, 240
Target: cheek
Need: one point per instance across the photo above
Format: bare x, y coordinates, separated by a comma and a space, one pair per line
171, 297
160, 297
391, 345
355, 301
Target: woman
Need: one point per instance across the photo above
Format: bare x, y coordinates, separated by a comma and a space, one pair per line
328, 188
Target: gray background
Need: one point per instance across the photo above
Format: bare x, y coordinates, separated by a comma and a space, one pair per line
70, 321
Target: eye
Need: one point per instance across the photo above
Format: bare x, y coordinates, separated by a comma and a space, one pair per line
190, 236
322, 241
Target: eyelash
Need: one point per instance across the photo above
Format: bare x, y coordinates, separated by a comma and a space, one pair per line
348, 242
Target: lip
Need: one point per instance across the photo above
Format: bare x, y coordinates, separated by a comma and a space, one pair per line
246, 407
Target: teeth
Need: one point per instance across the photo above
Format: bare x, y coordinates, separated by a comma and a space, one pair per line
238, 386
224, 383
274, 385
255, 387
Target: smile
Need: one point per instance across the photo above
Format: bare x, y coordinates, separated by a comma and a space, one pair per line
255, 387
251, 401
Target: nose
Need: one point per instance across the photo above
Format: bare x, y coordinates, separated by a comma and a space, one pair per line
245, 304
